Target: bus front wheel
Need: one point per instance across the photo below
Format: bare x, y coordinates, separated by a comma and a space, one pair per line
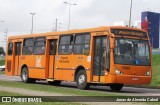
24, 76
116, 87
81, 80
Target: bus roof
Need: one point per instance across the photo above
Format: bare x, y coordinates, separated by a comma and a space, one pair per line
74, 31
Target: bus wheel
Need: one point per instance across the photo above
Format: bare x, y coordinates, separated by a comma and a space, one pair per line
116, 87
24, 76
81, 80
56, 83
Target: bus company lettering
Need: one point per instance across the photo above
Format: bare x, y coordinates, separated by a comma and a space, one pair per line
100, 33
131, 33
63, 60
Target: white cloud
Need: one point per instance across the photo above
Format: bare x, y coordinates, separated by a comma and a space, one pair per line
147, 0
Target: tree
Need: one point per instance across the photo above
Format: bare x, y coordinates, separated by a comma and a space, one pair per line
2, 51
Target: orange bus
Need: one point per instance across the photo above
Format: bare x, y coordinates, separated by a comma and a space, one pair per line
111, 56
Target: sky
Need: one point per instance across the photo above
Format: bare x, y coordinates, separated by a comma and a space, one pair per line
86, 14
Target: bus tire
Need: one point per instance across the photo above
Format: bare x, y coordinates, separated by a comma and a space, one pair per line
55, 83
25, 77
116, 87
81, 79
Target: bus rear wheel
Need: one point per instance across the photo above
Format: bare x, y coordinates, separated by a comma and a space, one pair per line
56, 83
116, 87
81, 80
25, 77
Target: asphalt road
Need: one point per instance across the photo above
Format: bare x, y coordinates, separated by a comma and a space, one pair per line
129, 91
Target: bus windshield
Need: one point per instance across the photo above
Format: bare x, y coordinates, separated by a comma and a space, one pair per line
132, 51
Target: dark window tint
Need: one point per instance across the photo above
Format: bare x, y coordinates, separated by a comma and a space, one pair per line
65, 46
53, 46
82, 44
82, 39
18, 48
29, 42
65, 40
39, 47
28, 46
10, 48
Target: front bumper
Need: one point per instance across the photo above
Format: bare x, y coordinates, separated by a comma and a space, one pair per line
133, 79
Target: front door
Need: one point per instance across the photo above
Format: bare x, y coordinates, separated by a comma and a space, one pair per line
17, 57
99, 58
52, 53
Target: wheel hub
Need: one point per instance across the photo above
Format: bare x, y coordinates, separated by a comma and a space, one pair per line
81, 79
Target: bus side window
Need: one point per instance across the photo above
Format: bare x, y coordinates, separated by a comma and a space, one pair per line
28, 45
82, 44
65, 44
10, 48
39, 45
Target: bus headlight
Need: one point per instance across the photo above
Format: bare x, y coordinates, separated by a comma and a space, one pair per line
117, 71
148, 73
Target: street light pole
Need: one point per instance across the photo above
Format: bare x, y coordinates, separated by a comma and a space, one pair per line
32, 22
2, 21
69, 13
130, 17
56, 25
5, 35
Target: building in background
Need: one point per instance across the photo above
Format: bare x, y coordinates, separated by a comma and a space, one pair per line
136, 24
150, 21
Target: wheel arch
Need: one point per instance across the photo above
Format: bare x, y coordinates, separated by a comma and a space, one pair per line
23, 67
80, 67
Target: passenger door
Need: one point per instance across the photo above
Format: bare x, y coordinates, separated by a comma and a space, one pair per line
99, 58
52, 53
17, 57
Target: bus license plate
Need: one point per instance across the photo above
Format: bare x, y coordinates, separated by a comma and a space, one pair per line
135, 79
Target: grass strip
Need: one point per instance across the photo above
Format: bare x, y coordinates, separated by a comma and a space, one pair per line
56, 89
155, 70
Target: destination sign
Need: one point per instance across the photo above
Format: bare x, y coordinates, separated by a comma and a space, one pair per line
129, 33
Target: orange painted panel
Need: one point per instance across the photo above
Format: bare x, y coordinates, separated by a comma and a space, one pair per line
16, 69
68, 75
51, 66
102, 79
36, 73
95, 78
133, 80
58, 74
